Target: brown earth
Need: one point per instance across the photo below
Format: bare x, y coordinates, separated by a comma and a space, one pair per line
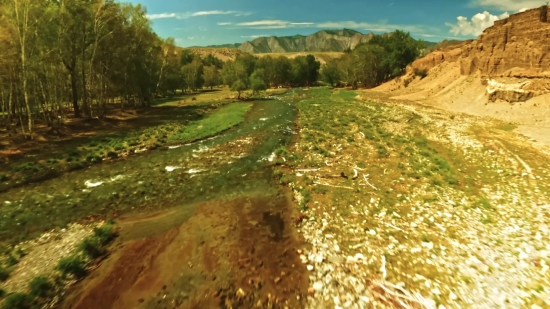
503, 74
239, 253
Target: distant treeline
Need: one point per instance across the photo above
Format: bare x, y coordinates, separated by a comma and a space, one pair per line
74, 57
372, 63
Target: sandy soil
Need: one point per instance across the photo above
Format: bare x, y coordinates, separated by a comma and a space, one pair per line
445, 88
161, 263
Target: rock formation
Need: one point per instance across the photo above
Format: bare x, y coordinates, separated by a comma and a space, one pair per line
516, 46
321, 41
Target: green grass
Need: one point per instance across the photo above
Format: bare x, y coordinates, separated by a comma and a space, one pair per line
220, 121
506, 127
199, 120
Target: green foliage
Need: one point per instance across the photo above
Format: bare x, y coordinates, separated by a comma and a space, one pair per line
370, 64
40, 286
4, 273
106, 233
330, 73
222, 120
17, 301
72, 265
92, 247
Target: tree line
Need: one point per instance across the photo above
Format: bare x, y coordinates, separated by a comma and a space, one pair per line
75, 57
370, 64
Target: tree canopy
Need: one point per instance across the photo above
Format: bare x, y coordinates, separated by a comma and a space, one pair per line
369, 64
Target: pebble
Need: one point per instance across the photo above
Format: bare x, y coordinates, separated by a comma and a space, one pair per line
318, 286
310, 267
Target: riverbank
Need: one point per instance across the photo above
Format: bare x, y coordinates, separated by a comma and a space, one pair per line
189, 190
412, 206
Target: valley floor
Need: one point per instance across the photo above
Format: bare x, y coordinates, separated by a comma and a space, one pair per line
413, 207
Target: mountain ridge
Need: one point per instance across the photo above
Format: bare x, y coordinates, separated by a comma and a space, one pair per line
320, 41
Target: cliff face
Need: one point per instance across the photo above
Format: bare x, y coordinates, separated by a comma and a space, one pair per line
322, 41
516, 46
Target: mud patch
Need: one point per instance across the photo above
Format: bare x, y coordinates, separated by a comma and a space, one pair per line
238, 253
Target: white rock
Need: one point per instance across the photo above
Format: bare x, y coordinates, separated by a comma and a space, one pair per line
309, 267
452, 296
318, 286
372, 232
336, 248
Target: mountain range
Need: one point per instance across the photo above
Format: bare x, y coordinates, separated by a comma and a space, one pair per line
321, 41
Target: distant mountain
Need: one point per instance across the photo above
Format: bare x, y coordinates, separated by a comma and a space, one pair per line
322, 41
230, 45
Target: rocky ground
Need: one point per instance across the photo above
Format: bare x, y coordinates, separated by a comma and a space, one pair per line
419, 208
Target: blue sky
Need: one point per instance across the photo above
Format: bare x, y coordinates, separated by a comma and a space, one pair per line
208, 22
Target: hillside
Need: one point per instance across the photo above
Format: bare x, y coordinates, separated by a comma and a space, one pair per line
321, 41
502, 74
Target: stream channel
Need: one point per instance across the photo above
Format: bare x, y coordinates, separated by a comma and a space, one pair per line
203, 225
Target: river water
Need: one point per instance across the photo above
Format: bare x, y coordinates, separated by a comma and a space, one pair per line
230, 165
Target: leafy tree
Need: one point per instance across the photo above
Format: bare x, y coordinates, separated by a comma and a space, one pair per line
239, 86
313, 67
211, 76
257, 81
330, 73
211, 60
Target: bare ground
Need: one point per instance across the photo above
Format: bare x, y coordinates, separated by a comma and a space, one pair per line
231, 254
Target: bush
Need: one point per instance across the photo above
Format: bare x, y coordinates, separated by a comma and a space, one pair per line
3, 177
105, 233
4, 273
40, 286
420, 72
17, 301
72, 265
92, 247
543, 13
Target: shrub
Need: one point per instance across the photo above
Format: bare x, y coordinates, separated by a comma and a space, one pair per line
17, 301
193, 99
105, 233
543, 13
4, 273
92, 247
420, 72
40, 286
72, 265
3, 177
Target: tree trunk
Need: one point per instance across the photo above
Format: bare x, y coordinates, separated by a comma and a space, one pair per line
74, 88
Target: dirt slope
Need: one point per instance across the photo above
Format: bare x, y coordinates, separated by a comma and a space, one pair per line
229, 254
502, 74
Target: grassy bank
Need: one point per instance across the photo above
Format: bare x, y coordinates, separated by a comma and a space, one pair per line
211, 118
28, 219
421, 194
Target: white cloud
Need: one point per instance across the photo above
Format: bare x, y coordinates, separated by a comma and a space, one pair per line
204, 13
186, 15
190, 37
224, 24
478, 23
254, 36
428, 35
273, 24
380, 27
507, 5
522, 10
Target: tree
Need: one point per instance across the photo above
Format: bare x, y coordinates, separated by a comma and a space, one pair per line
211, 76
239, 86
313, 67
257, 81
330, 73
211, 60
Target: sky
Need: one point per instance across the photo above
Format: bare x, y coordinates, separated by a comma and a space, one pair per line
211, 22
